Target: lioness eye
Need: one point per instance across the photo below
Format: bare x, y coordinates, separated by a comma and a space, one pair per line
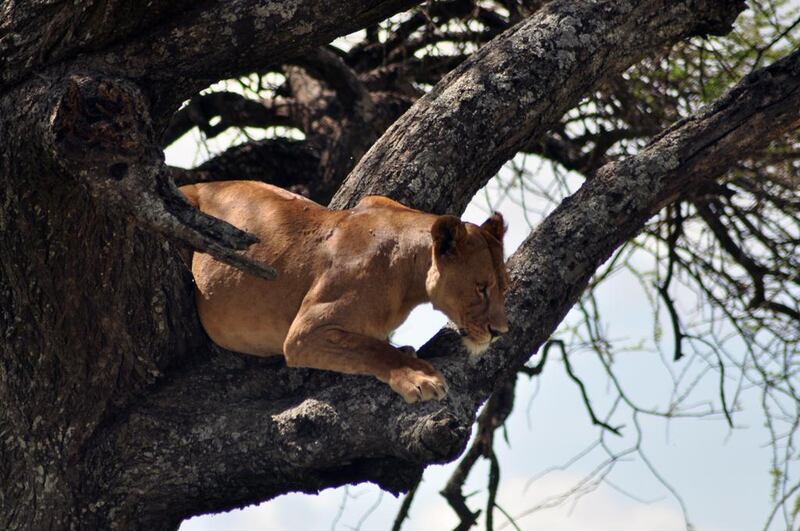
483, 291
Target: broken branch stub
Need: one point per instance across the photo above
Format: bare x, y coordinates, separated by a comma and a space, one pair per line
100, 133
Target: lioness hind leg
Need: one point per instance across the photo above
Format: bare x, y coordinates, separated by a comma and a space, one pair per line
341, 351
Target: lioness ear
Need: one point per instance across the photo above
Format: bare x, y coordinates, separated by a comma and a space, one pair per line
495, 226
448, 232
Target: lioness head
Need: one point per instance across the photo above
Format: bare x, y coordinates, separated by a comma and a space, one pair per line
468, 278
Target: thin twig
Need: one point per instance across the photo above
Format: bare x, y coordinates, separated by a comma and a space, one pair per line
568, 366
402, 513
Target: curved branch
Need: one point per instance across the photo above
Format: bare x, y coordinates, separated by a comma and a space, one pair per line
588, 403
440, 152
613, 207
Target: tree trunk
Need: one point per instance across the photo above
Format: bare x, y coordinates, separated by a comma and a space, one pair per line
96, 310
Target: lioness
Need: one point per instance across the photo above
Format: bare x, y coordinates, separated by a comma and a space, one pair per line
346, 280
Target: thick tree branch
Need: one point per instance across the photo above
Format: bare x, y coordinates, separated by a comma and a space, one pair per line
65, 29
440, 152
184, 50
611, 208
305, 425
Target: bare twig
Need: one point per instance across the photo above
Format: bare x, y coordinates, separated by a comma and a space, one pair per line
568, 366
494, 414
402, 513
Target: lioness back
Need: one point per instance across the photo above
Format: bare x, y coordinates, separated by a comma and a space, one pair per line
305, 242
241, 312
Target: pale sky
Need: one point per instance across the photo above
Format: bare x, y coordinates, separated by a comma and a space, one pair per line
723, 476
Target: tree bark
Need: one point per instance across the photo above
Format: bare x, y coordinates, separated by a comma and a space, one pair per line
118, 411
174, 50
86, 326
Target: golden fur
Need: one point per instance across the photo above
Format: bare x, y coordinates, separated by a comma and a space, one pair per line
346, 280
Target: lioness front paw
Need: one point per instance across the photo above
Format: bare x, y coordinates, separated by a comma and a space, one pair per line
418, 383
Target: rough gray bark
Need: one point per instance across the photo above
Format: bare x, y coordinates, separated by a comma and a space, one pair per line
118, 413
85, 327
173, 50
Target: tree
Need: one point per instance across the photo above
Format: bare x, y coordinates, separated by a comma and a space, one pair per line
119, 412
